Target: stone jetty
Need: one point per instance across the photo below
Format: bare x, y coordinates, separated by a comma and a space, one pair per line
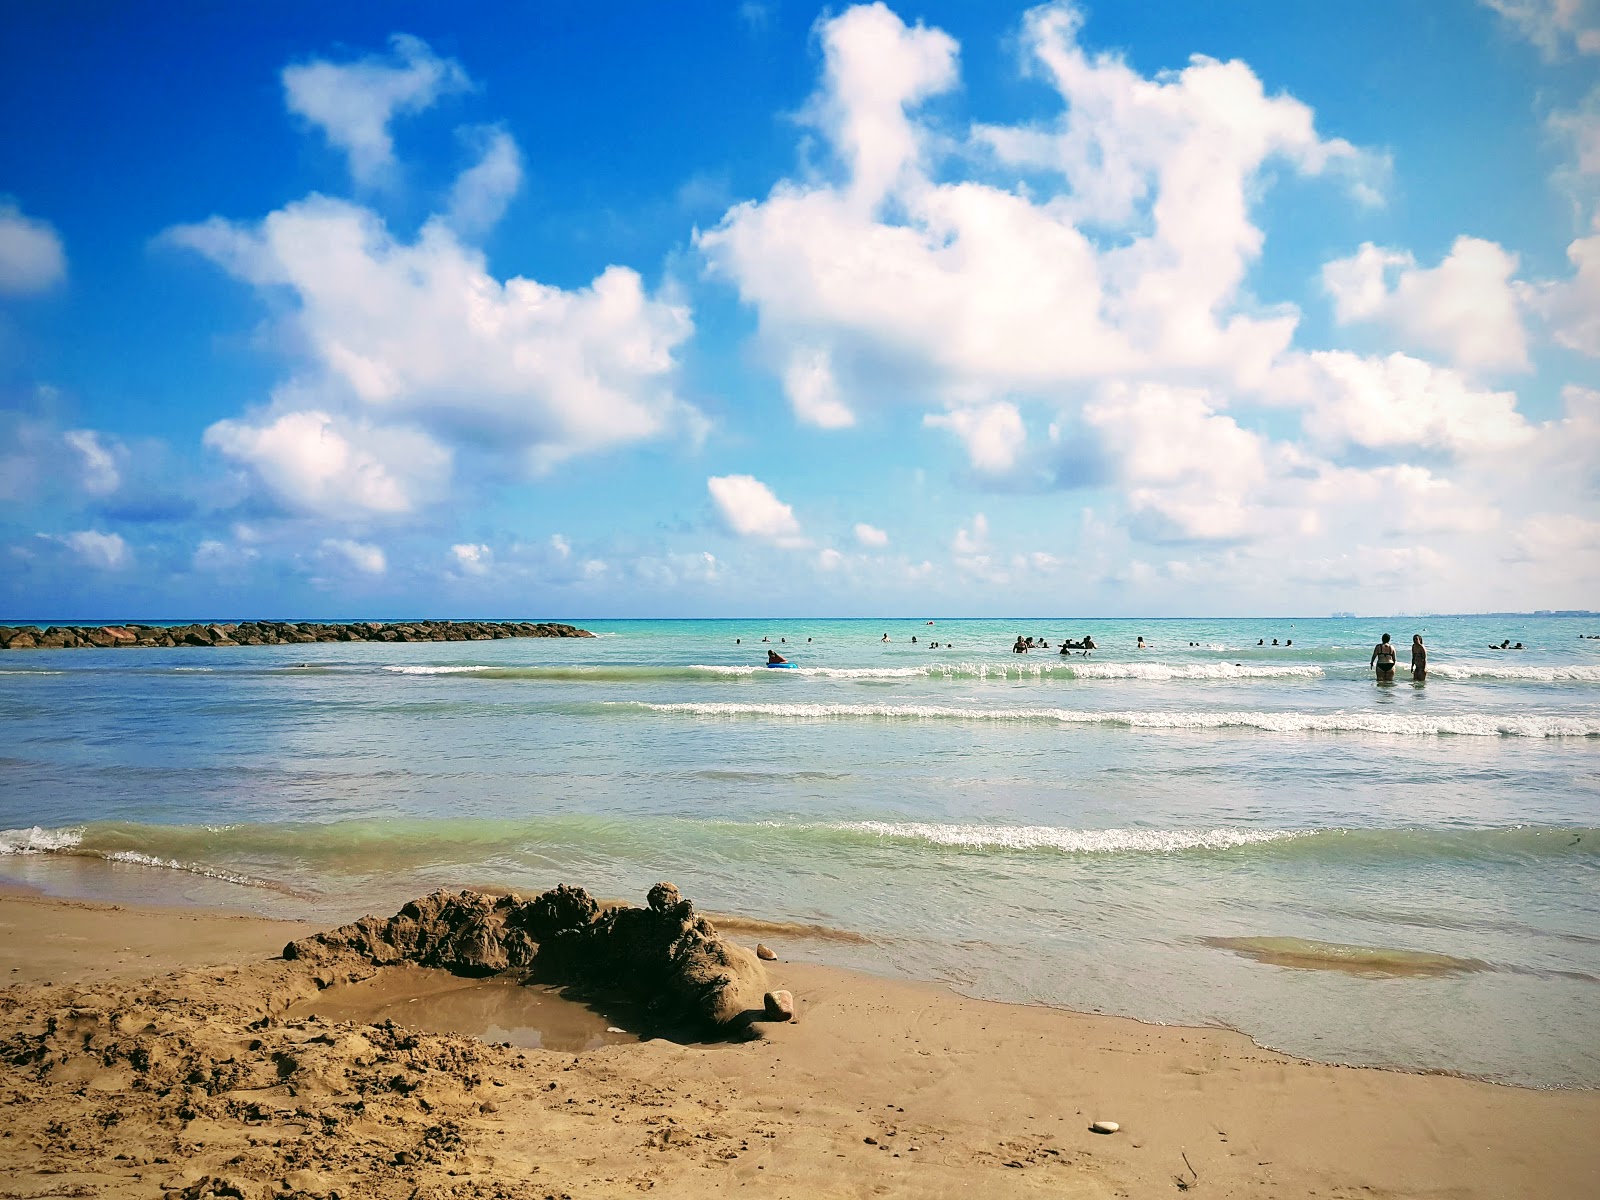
274, 633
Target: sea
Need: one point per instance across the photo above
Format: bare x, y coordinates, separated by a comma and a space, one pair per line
1211, 830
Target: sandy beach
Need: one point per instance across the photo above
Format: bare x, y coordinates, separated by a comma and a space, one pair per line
149, 1051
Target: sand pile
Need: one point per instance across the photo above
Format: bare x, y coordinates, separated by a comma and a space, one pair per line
670, 963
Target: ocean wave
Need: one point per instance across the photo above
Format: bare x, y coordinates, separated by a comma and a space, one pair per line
1064, 669
1517, 672
251, 855
1069, 841
71, 841
38, 840
1395, 724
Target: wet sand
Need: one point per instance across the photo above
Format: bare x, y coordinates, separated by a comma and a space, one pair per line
148, 1052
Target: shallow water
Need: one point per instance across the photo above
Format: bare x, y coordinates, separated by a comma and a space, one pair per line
495, 1009
1099, 833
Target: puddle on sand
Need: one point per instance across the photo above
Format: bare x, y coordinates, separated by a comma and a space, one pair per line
494, 1009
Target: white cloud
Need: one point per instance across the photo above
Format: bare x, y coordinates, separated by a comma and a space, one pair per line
676, 570
31, 257
1572, 307
1580, 127
422, 332
904, 271
972, 539
994, 434
361, 557
103, 551
751, 510
809, 383
480, 195
473, 559
830, 559
98, 462
1552, 24
1465, 308
560, 545
314, 463
1189, 471
1401, 401
217, 557
869, 535
354, 102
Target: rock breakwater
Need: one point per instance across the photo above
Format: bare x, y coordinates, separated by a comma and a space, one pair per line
274, 633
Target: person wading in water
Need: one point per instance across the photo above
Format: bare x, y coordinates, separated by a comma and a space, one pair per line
1419, 658
1383, 658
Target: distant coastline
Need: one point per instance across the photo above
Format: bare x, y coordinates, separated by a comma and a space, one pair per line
274, 633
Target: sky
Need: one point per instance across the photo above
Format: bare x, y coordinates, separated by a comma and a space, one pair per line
556, 310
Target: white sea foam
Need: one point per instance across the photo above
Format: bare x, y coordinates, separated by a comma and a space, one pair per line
168, 864
38, 840
69, 841
1068, 841
1525, 672
1064, 669
463, 670
1403, 724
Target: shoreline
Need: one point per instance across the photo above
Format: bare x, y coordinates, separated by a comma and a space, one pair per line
990, 1094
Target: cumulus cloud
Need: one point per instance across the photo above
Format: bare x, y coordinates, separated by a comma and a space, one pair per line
1126, 252
1555, 26
830, 559
809, 383
1189, 470
749, 509
473, 558
870, 535
1572, 306
362, 558
313, 463
102, 551
421, 331
993, 434
354, 102
1403, 402
1465, 308
31, 255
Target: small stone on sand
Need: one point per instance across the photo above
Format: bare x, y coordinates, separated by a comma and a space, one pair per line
1105, 1127
779, 1006
764, 951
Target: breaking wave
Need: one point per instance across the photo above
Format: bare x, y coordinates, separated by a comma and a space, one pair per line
1393, 724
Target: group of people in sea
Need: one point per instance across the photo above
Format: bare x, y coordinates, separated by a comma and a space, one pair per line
1506, 645
1383, 659
1023, 645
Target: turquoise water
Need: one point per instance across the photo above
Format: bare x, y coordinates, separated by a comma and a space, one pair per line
1183, 833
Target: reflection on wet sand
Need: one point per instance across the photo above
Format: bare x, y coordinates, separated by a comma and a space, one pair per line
1371, 961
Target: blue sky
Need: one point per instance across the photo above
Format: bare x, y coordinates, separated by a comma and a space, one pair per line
766, 308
